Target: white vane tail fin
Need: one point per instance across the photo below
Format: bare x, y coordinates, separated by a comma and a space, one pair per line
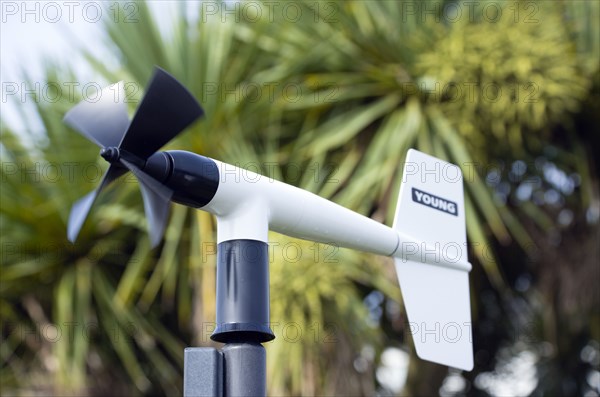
431, 261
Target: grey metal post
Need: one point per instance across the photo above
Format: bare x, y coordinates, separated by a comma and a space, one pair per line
202, 372
245, 370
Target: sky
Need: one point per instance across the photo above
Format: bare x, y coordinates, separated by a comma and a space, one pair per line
34, 33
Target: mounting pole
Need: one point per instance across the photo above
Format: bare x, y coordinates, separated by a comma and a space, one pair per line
239, 368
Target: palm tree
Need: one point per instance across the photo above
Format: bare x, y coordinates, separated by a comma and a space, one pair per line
328, 99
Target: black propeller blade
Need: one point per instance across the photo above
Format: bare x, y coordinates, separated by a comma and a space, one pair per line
103, 122
166, 109
157, 200
82, 207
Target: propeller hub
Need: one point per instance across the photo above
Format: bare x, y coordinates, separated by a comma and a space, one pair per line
110, 154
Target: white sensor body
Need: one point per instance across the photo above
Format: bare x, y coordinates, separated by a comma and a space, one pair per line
248, 205
427, 241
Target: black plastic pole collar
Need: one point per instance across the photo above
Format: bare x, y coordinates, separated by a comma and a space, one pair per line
242, 292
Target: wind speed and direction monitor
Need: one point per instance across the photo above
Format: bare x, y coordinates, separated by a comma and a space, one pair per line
427, 240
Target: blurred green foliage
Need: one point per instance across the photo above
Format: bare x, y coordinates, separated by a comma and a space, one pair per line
334, 98
522, 81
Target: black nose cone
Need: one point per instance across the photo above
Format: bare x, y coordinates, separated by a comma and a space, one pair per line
110, 154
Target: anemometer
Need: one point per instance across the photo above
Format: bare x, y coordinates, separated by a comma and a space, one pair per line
427, 241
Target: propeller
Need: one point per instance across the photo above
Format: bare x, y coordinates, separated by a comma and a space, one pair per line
166, 109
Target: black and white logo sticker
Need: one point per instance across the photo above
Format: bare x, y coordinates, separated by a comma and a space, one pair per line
436, 202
